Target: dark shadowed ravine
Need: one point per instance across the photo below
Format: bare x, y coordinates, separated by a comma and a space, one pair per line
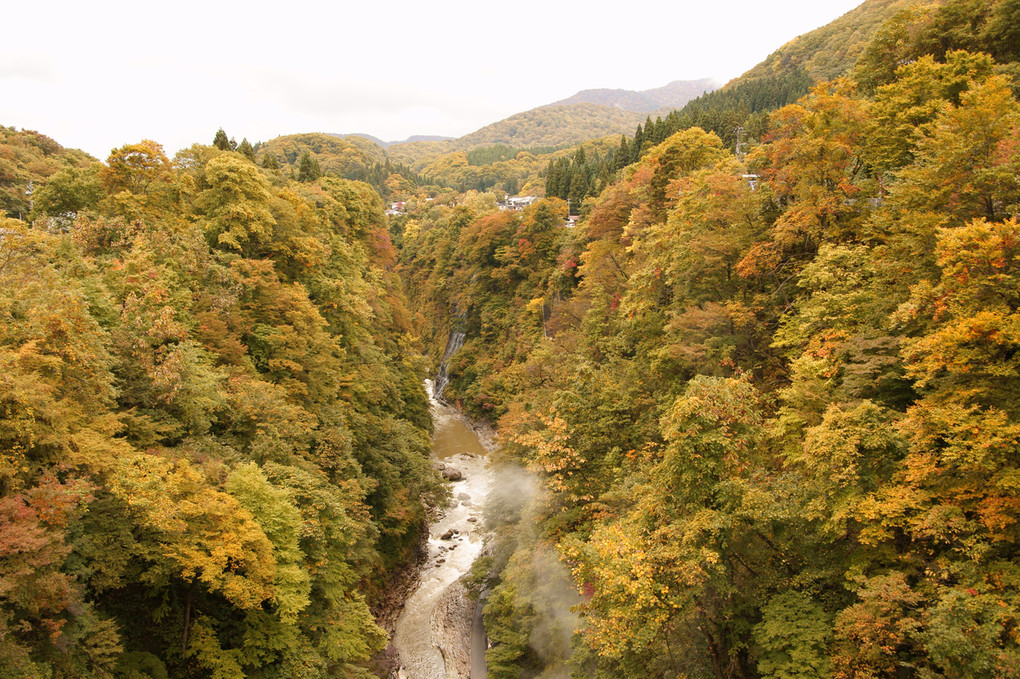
429, 644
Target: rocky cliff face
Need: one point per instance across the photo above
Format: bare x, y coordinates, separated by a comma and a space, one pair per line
451, 624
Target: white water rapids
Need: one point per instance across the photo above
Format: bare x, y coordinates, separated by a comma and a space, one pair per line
457, 446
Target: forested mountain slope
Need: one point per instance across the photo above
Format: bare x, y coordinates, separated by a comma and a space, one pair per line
549, 126
831, 50
307, 157
213, 433
867, 44
555, 126
28, 158
772, 399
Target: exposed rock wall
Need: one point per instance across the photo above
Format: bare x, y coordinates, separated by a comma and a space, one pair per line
451, 628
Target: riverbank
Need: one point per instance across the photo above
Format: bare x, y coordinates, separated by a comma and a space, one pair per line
387, 610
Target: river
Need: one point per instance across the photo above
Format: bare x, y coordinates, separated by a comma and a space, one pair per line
417, 634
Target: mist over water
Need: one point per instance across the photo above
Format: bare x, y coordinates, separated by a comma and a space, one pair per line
553, 600
507, 499
535, 572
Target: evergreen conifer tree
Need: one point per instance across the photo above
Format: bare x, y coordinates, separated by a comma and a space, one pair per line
308, 168
622, 158
578, 186
551, 183
246, 149
635, 150
221, 141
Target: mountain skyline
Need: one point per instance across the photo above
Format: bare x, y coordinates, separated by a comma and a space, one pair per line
670, 96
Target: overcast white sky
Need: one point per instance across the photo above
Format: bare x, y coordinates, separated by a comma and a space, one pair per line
100, 74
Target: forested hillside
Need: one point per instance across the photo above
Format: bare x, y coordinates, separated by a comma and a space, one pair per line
867, 43
28, 158
555, 126
831, 50
772, 399
306, 157
213, 432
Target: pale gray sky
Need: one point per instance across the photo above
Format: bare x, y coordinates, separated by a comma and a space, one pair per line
100, 74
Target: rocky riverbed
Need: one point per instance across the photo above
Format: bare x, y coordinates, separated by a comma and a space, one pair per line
432, 637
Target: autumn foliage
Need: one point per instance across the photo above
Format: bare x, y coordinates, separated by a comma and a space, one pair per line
213, 433
773, 398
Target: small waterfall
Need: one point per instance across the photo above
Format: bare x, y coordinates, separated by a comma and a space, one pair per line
453, 345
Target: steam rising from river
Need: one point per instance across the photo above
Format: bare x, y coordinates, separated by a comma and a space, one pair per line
553, 601
515, 503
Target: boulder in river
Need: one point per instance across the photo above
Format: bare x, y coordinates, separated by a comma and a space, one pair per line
451, 474
448, 535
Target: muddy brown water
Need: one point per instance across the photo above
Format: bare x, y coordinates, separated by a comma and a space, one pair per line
456, 445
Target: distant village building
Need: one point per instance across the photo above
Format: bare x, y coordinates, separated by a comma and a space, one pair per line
517, 203
396, 209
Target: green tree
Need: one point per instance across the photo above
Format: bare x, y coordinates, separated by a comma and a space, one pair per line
793, 636
308, 168
221, 141
246, 150
69, 192
966, 161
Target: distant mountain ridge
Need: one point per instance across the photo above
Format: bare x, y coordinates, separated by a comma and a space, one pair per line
386, 144
547, 126
673, 95
555, 125
588, 114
